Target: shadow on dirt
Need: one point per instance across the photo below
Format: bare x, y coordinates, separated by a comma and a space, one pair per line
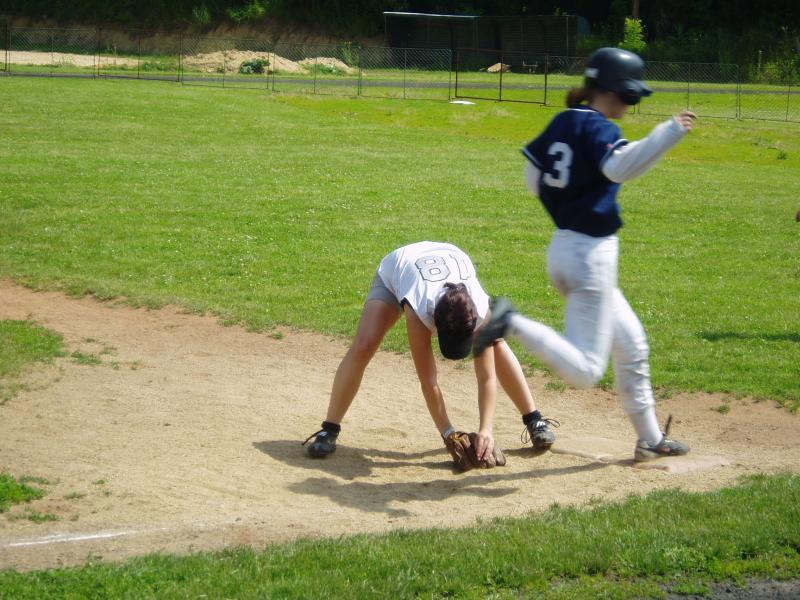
350, 463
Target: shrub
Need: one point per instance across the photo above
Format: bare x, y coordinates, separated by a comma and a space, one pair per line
328, 69
201, 16
634, 36
250, 12
253, 66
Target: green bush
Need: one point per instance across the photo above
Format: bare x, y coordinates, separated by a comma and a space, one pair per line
783, 71
634, 36
253, 66
201, 16
328, 69
250, 12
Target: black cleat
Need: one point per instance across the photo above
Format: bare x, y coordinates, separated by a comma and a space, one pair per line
539, 434
666, 447
502, 309
323, 444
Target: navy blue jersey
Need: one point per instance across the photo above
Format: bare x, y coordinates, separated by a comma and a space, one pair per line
569, 155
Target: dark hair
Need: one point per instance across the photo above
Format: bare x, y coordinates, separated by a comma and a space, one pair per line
455, 311
576, 96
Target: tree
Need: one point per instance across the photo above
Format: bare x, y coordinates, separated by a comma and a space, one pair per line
634, 36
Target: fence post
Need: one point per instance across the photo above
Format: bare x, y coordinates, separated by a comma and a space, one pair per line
500, 89
8, 48
689, 86
97, 53
138, 55
405, 67
358, 51
738, 95
788, 97
455, 89
449, 74
546, 71
180, 57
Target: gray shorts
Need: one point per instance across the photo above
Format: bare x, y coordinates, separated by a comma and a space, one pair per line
379, 291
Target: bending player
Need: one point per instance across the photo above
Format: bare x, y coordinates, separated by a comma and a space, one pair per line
435, 285
576, 167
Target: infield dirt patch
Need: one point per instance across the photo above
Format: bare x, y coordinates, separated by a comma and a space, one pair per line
187, 437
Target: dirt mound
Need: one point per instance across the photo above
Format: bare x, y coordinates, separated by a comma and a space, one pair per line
186, 436
329, 63
212, 62
499, 68
60, 58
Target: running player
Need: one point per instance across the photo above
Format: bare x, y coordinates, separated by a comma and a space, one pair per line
434, 284
576, 167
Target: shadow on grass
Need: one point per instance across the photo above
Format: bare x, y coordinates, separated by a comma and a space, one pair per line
716, 336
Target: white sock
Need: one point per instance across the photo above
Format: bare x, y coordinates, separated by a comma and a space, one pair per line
646, 425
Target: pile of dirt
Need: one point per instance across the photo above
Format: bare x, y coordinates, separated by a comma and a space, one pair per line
16, 57
499, 68
330, 63
212, 62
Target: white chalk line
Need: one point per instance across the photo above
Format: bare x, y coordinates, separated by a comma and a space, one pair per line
61, 538
66, 538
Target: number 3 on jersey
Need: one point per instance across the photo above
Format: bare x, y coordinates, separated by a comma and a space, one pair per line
559, 177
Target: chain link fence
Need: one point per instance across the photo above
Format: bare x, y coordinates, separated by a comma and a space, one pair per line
224, 62
415, 73
52, 52
137, 54
317, 69
711, 90
502, 76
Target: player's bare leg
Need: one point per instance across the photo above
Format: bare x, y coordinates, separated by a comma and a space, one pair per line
512, 379
377, 319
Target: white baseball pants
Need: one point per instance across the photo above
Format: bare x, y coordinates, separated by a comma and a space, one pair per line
599, 323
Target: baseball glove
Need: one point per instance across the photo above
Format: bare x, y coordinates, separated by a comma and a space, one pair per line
461, 446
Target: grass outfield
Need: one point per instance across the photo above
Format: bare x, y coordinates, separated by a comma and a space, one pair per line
634, 549
270, 209
274, 209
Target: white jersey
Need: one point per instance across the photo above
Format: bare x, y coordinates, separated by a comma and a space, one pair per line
417, 273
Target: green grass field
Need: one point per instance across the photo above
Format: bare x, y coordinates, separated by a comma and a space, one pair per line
271, 209
633, 549
274, 209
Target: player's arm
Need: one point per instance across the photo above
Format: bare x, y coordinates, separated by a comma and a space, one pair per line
419, 342
636, 158
487, 399
532, 174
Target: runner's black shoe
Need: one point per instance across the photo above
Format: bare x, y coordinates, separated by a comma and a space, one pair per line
666, 447
502, 309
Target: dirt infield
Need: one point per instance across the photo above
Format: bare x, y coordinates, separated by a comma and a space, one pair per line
187, 437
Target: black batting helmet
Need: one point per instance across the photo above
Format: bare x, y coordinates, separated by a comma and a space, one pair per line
618, 71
